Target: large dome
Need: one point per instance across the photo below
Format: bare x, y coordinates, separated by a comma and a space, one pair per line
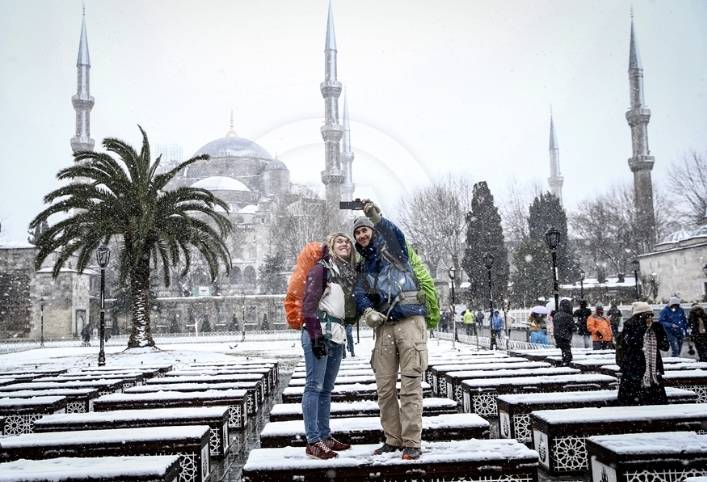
221, 183
234, 146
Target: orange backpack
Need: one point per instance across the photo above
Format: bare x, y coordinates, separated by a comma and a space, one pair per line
306, 259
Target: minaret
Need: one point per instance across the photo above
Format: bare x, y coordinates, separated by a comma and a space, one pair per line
332, 175
555, 180
82, 101
641, 163
347, 156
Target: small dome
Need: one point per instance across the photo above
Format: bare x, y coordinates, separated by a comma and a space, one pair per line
221, 183
249, 209
276, 165
233, 146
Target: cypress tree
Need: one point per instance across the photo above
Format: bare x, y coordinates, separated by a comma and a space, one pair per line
485, 235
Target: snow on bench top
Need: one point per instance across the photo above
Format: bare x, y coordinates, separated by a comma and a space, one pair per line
363, 424
195, 387
677, 359
181, 413
664, 443
342, 372
361, 455
695, 479
342, 380
107, 436
49, 392
678, 374
493, 366
66, 468
618, 414
513, 373
240, 360
22, 401
218, 371
351, 388
578, 396
128, 367
359, 406
49, 385
540, 380
491, 362
206, 394
209, 378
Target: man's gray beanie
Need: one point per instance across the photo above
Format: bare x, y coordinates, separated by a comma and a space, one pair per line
362, 221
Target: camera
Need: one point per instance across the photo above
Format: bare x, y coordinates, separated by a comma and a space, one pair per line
356, 205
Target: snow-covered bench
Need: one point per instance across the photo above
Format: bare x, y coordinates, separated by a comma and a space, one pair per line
343, 372
479, 395
159, 369
126, 380
24, 373
252, 390
544, 354
269, 372
451, 381
207, 379
361, 408
666, 456
189, 442
457, 460
78, 400
255, 362
162, 468
19, 414
145, 372
215, 417
435, 373
514, 410
693, 380
342, 393
368, 430
614, 370
104, 387
340, 380
559, 436
234, 399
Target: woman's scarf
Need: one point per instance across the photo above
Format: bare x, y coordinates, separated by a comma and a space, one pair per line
650, 352
347, 278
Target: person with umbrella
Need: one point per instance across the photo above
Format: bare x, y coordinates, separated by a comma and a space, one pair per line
537, 325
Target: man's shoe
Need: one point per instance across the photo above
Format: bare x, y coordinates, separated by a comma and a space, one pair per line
333, 444
411, 453
320, 451
385, 448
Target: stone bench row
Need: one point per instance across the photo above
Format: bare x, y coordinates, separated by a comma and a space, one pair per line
361, 408
354, 391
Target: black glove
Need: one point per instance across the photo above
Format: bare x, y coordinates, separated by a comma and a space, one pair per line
319, 347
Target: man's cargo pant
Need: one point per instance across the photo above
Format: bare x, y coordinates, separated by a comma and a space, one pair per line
403, 345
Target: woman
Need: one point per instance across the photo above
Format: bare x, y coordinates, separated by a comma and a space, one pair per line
537, 327
328, 302
641, 364
697, 323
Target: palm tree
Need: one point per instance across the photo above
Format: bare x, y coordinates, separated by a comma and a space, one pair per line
128, 200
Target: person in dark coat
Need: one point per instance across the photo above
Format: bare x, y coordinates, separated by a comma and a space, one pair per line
674, 322
697, 323
581, 314
563, 325
641, 365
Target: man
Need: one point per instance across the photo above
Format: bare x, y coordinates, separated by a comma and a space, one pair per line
615, 316
581, 315
469, 322
563, 326
496, 326
600, 328
400, 330
673, 319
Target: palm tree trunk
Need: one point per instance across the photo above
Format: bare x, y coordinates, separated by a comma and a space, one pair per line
141, 334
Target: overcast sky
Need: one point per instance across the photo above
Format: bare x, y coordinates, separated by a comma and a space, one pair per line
433, 87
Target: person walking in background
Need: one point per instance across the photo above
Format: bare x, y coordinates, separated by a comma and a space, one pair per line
638, 356
537, 328
496, 324
673, 319
581, 315
614, 315
469, 322
697, 323
600, 328
563, 326
348, 324
328, 302
398, 318
479, 318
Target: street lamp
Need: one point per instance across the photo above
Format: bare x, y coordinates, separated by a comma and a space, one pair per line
704, 270
103, 256
581, 285
41, 322
452, 274
488, 263
552, 239
636, 265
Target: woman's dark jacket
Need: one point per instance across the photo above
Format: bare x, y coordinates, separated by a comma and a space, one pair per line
634, 361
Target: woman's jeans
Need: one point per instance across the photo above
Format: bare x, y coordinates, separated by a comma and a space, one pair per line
316, 400
675, 343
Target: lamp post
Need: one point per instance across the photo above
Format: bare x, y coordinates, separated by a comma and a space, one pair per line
41, 322
102, 256
636, 265
581, 285
452, 274
488, 263
552, 239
